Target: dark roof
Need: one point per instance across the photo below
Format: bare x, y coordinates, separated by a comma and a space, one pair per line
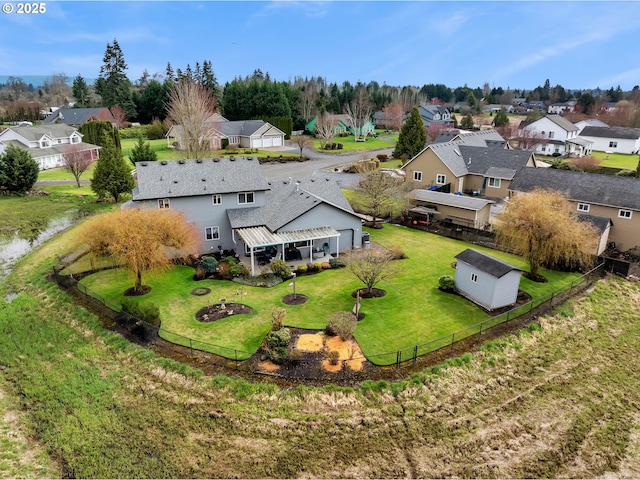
448, 199
611, 132
600, 223
494, 162
186, 178
79, 116
609, 190
486, 263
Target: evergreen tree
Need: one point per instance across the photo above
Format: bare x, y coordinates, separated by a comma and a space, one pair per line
18, 170
413, 136
95, 130
152, 102
111, 176
80, 91
467, 122
501, 118
169, 75
113, 85
142, 152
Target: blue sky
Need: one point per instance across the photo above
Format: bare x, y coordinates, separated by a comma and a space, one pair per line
515, 44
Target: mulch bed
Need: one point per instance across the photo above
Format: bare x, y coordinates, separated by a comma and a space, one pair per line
214, 312
366, 293
131, 292
297, 299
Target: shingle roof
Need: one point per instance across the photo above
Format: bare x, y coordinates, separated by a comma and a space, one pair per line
448, 199
485, 263
185, 178
78, 116
600, 223
35, 132
611, 132
609, 190
502, 163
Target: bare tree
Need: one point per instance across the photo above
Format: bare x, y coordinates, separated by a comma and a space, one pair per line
393, 114
359, 113
190, 107
379, 194
307, 101
302, 141
76, 161
372, 267
119, 115
588, 163
326, 124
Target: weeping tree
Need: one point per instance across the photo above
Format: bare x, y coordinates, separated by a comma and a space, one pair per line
542, 227
140, 239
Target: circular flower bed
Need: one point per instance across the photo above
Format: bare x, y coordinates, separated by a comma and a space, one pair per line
200, 291
215, 312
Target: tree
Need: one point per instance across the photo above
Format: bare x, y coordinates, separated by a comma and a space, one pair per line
76, 161
80, 91
588, 163
140, 239
467, 122
586, 102
142, 152
18, 170
372, 267
325, 128
541, 226
379, 193
393, 114
412, 138
119, 116
359, 114
302, 141
111, 176
501, 118
190, 106
97, 131
113, 85
529, 138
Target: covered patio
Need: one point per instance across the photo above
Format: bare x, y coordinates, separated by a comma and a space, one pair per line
296, 246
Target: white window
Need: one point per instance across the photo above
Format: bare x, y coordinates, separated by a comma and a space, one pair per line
245, 197
583, 207
613, 144
45, 143
211, 233
441, 179
417, 176
494, 182
551, 134
474, 278
75, 139
163, 203
624, 213
216, 199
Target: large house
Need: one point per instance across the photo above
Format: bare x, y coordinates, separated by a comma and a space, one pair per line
554, 135
435, 115
613, 139
79, 116
243, 133
612, 201
47, 144
462, 167
234, 207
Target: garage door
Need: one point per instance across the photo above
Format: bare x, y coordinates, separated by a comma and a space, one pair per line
277, 141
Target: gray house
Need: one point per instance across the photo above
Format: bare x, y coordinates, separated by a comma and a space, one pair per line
485, 280
234, 207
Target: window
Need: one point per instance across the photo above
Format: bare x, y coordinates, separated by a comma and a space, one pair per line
474, 278
624, 213
45, 143
544, 149
551, 134
493, 182
216, 199
417, 176
212, 233
613, 144
441, 179
245, 197
583, 207
75, 139
163, 203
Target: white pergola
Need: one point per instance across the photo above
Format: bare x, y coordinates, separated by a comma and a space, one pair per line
258, 237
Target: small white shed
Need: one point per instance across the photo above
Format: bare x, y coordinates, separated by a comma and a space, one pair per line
485, 280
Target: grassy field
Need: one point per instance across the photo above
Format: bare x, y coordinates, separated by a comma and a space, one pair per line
414, 311
557, 400
617, 160
350, 145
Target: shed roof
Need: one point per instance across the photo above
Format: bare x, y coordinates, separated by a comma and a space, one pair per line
611, 132
486, 263
449, 199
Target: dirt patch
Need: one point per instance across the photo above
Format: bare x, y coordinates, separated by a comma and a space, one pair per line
200, 291
349, 350
297, 299
269, 366
132, 292
366, 293
310, 342
212, 313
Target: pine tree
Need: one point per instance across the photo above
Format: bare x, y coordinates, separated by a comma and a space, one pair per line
111, 176
500, 118
142, 152
467, 122
169, 74
412, 138
113, 85
80, 91
95, 130
18, 170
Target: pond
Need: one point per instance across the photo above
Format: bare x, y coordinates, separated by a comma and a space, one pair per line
14, 246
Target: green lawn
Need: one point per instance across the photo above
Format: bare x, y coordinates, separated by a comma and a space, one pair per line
413, 312
350, 145
617, 160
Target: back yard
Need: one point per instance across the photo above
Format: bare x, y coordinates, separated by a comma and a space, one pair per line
412, 312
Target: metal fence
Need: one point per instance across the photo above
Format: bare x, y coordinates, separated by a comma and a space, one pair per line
429, 352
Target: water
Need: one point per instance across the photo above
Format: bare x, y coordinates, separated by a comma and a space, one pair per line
14, 247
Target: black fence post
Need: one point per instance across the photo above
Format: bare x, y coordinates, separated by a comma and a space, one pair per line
415, 354
453, 336
191, 347
398, 358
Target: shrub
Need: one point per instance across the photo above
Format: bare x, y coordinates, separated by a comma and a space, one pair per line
336, 263
147, 312
317, 266
301, 269
382, 157
209, 264
280, 268
278, 338
397, 253
295, 356
334, 357
277, 355
325, 265
447, 282
238, 270
278, 315
156, 130
341, 324
626, 173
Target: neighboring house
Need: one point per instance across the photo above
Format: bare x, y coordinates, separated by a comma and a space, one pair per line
495, 108
557, 136
481, 138
47, 144
485, 280
561, 108
234, 206
426, 206
387, 120
613, 139
435, 115
79, 116
589, 122
536, 104
341, 125
458, 167
606, 196
244, 133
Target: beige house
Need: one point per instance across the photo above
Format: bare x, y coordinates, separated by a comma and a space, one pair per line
426, 206
607, 197
458, 167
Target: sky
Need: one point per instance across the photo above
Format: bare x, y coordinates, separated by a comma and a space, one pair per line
514, 44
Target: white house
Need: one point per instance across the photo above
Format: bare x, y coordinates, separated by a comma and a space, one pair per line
613, 139
556, 135
47, 144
